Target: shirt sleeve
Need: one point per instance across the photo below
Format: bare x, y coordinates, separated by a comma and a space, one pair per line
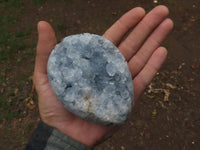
48, 138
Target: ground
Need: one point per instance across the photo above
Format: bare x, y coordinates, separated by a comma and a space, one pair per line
167, 115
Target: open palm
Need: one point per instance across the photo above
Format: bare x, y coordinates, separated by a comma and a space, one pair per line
141, 49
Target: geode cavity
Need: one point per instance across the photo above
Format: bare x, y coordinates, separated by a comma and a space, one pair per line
90, 77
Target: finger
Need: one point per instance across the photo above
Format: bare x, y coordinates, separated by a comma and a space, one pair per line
148, 72
138, 36
116, 32
138, 61
46, 42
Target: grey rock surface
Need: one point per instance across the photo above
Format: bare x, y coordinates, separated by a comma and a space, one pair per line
90, 77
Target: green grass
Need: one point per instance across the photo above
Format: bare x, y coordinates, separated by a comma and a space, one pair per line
2, 103
61, 26
8, 116
26, 32
7, 20
7, 131
6, 106
16, 44
12, 5
69, 1
30, 126
3, 56
11, 41
38, 2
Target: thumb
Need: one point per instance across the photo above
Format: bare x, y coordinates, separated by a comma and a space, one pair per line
46, 43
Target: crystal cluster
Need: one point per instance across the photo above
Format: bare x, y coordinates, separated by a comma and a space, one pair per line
90, 77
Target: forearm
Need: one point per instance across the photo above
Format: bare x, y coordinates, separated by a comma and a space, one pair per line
48, 138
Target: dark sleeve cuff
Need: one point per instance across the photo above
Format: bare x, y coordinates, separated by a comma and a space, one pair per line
48, 138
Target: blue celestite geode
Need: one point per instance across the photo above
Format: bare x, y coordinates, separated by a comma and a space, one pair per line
90, 77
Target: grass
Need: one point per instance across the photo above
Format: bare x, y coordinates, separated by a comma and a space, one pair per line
16, 45
61, 26
38, 2
69, 1
12, 45
6, 108
9, 103
12, 6
11, 42
3, 56
8, 116
30, 126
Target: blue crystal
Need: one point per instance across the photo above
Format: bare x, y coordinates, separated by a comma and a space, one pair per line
90, 77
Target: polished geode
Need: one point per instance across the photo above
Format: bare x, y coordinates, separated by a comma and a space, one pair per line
90, 77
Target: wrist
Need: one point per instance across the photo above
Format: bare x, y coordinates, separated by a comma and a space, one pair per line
79, 129
47, 137
91, 136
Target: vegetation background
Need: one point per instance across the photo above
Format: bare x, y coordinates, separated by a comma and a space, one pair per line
168, 114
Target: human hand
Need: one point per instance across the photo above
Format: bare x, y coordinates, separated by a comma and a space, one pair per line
141, 49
